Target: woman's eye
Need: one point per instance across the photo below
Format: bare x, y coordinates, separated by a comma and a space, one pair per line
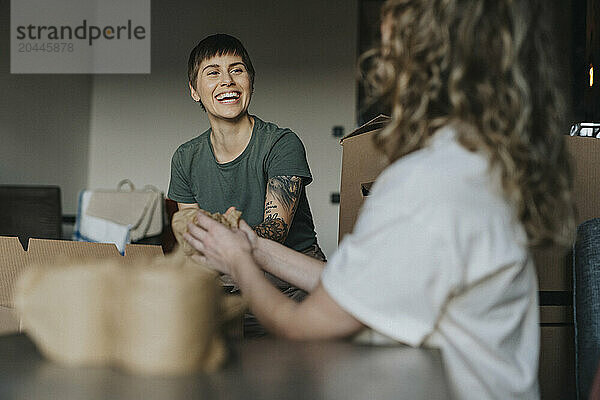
237, 71
212, 73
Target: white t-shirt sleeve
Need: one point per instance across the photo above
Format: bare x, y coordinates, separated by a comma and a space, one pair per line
387, 273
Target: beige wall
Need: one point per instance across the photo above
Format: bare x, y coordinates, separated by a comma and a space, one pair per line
304, 53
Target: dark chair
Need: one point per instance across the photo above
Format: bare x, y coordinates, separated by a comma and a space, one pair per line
586, 291
30, 212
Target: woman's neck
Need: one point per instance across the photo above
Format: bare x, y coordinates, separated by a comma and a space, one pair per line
229, 139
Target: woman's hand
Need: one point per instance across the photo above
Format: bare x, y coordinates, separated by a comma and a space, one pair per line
222, 248
250, 234
244, 227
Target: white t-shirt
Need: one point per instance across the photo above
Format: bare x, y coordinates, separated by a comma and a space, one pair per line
437, 259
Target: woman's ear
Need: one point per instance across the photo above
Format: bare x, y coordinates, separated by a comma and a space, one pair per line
194, 93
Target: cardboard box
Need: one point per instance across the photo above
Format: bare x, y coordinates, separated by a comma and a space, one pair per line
14, 259
361, 165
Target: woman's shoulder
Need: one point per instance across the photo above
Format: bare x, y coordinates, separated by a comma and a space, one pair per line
442, 169
193, 144
272, 131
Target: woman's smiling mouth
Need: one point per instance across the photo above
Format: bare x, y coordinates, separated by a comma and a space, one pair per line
228, 97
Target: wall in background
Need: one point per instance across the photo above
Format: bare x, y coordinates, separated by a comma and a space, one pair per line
304, 54
44, 125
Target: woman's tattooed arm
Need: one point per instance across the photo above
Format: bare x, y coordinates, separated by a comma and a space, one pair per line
281, 201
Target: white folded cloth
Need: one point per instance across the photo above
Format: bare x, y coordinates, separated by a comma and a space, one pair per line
140, 210
90, 228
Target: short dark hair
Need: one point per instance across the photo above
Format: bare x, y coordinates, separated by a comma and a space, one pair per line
217, 45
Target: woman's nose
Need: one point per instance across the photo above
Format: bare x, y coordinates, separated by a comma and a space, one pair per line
226, 79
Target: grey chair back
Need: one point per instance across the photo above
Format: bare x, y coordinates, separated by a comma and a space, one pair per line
586, 292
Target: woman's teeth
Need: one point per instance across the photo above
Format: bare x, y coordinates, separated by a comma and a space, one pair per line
228, 97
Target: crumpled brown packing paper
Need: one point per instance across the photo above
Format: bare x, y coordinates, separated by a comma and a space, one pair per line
164, 316
182, 218
180, 222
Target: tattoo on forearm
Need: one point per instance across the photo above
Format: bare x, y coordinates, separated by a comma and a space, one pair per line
286, 190
273, 227
269, 207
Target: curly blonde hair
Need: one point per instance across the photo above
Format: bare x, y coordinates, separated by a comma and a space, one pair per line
483, 66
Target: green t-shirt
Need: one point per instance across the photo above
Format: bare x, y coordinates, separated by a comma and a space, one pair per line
197, 177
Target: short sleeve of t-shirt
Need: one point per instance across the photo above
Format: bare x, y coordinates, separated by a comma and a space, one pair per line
288, 158
179, 187
387, 273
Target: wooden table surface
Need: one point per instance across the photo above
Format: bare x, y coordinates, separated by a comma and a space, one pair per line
265, 368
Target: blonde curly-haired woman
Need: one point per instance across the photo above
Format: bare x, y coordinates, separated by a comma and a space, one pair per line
440, 255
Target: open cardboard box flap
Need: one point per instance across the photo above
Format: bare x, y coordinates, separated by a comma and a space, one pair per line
361, 164
375, 124
14, 259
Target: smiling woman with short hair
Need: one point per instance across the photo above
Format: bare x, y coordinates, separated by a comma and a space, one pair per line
241, 160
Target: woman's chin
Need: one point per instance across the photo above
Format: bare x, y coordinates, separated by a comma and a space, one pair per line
230, 115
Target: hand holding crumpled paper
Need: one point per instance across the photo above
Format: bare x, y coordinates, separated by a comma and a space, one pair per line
182, 218
180, 222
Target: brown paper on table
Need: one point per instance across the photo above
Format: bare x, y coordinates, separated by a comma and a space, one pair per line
164, 316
